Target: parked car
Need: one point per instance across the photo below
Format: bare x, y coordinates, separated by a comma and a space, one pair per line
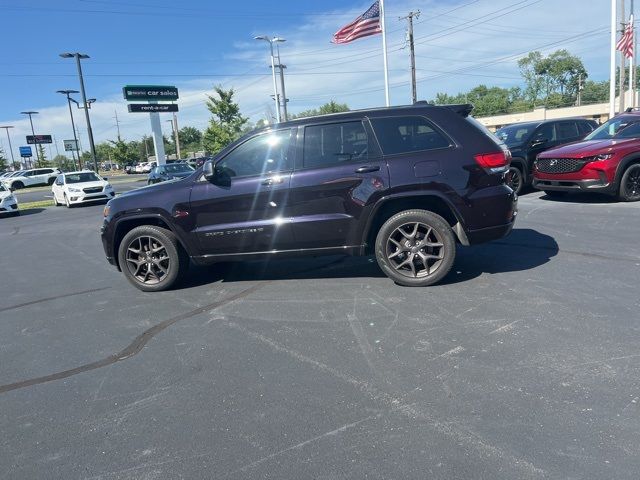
73, 188
170, 171
8, 201
33, 177
140, 167
607, 160
526, 140
403, 183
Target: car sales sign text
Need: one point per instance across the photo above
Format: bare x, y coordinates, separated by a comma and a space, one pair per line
150, 92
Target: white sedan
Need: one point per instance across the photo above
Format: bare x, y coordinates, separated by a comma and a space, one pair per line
8, 202
73, 188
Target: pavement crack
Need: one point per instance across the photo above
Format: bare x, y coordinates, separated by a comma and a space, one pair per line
133, 348
48, 299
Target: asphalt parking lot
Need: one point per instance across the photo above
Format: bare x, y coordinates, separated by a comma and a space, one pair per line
524, 363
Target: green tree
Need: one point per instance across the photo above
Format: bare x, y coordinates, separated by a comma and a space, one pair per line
3, 161
42, 161
330, 107
226, 124
63, 162
123, 152
552, 80
189, 136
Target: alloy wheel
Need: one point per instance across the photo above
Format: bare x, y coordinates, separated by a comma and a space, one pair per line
415, 250
148, 260
514, 179
632, 182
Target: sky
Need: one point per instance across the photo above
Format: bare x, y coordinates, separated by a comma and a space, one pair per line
196, 44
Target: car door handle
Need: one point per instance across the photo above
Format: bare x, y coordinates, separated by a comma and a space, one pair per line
273, 180
368, 169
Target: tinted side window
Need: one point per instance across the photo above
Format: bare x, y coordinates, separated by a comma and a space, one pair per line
566, 130
545, 132
585, 128
326, 145
407, 134
259, 155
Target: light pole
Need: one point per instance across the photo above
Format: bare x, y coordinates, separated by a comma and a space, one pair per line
78, 57
30, 113
281, 67
273, 71
73, 126
7, 127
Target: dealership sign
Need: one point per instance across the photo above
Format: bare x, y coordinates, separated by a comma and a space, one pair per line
150, 92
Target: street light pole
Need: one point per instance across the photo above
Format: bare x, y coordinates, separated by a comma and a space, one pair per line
273, 73
73, 126
281, 67
7, 127
33, 131
78, 57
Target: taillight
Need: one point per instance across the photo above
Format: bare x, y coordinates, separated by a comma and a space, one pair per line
492, 160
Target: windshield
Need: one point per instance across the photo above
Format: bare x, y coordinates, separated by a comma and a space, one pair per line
515, 134
82, 177
177, 168
618, 127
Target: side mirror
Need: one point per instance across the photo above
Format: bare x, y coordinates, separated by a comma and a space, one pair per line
208, 171
105, 178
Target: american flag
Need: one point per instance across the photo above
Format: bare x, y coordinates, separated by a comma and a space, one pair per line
625, 44
366, 24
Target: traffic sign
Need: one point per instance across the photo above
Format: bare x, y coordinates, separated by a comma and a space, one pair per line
152, 107
38, 139
70, 145
150, 92
25, 152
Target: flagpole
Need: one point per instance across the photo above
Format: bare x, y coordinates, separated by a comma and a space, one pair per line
632, 76
612, 70
384, 54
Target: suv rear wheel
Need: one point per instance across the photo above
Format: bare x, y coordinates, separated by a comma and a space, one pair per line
17, 185
151, 258
630, 184
415, 248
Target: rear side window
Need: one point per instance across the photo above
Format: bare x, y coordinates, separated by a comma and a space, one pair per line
567, 130
407, 134
331, 144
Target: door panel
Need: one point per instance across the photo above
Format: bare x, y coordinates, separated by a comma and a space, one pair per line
340, 173
249, 210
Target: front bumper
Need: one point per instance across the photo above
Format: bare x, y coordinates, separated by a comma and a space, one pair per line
81, 197
10, 206
569, 185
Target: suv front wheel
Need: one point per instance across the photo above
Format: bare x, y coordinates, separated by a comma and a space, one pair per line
630, 184
151, 258
415, 248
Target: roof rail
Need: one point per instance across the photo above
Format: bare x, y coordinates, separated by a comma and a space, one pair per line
463, 109
632, 109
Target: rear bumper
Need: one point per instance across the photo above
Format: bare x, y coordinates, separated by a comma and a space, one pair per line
491, 233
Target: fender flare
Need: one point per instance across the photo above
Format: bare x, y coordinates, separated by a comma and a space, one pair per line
622, 166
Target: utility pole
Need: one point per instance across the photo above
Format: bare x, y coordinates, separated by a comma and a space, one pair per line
612, 62
623, 60
117, 123
412, 56
579, 101
33, 132
632, 60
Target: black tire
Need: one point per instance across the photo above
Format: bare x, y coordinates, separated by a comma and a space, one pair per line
629, 190
66, 201
404, 257
152, 259
17, 185
515, 178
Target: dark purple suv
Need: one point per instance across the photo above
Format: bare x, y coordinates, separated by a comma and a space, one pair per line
403, 183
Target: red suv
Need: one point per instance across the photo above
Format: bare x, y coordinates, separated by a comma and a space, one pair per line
607, 160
